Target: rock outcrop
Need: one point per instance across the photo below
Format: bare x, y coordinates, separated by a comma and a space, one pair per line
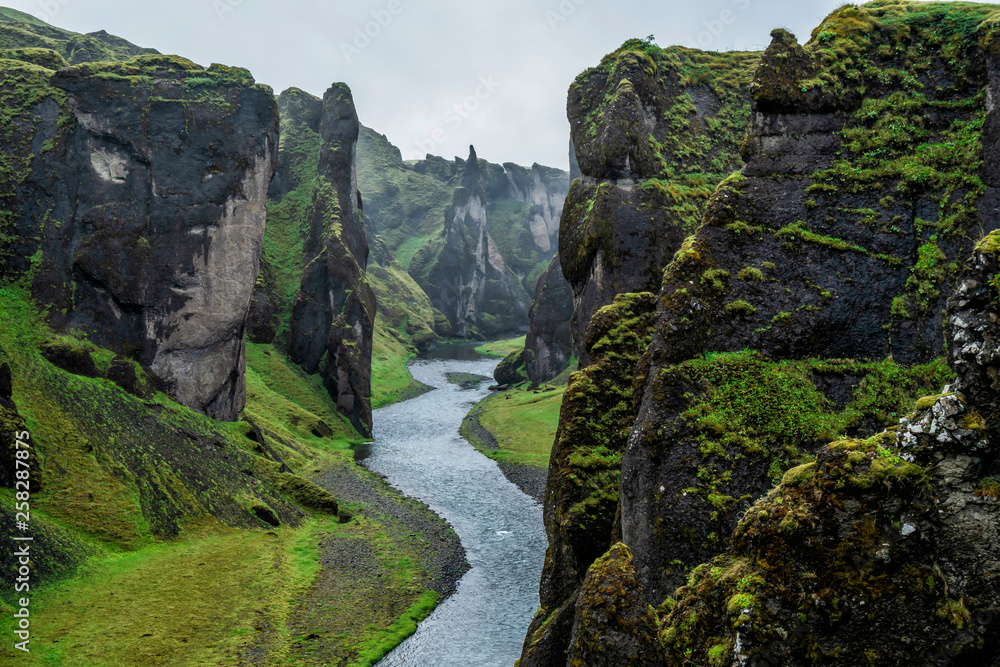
911, 576
332, 318
653, 132
806, 308
548, 347
143, 185
636, 200
807, 254
410, 207
465, 275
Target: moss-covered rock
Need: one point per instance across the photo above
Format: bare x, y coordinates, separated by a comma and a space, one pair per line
511, 370
126, 262
831, 255
333, 316
307, 494
409, 207
581, 496
613, 624
654, 131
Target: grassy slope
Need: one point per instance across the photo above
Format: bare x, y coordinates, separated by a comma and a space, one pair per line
248, 580
523, 423
501, 348
405, 319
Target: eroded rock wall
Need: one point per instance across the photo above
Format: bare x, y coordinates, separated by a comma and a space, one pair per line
806, 307
548, 347
830, 244
146, 194
653, 132
332, 318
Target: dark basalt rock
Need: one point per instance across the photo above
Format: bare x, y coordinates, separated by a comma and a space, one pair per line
155, 193
6, 386
782, 264
74, 359
332, 319
650, 144
511, 370
473, 287
548, 346
830, 248
613, 625
124, 374
519, 208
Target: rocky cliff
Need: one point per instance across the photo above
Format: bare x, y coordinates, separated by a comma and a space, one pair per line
466, 275
149, 179
410, 207
313, 293
333, 314
133, 200
548, 346
805, 308
653, 131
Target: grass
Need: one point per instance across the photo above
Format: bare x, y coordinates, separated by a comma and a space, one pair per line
173, 571
205, 600
183, 603
391, 379
523, 423
501, 348
284, 399
331, 626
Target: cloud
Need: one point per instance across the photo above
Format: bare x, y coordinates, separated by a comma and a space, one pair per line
416, 66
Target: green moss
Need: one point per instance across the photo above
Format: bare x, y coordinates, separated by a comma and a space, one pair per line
800, 475
740, 307
716, 278
738, 603
801, 232
751, 274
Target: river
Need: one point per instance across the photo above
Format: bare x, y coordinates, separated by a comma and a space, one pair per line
419, 450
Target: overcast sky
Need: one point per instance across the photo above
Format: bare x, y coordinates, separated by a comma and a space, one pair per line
435, 75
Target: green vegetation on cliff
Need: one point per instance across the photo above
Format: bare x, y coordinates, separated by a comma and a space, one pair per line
144, 496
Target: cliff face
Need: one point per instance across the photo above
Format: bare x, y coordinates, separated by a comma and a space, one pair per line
465, 274
841, 239
132, 211
916, 518
412, 208
332, 317
548, 347
149, 178
653, 132
807, 307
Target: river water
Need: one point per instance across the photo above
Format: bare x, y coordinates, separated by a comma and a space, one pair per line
418, 448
